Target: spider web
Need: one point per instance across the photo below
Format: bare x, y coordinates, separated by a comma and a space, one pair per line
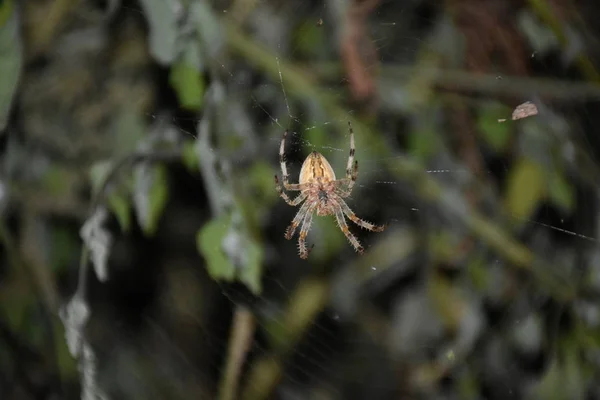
314, 364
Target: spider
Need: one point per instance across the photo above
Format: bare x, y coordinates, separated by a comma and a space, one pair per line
323, 193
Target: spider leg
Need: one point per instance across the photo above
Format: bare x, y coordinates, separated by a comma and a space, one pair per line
348, 182
289, 232
344, 227
360, 222
291, 187
351, 166
343, 187
302, 250
297, 200
341, 192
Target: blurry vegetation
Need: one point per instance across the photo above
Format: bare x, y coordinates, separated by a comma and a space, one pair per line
141, 234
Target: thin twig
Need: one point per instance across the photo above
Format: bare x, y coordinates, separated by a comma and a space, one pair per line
242, 333
305, 304
453, 80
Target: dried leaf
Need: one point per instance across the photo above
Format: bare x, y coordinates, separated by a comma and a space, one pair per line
524, 110
74, 317
98, 240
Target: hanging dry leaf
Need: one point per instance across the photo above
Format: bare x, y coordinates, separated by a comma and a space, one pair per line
524, 110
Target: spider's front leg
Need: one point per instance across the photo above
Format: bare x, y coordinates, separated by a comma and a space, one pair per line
297, 200
344, 186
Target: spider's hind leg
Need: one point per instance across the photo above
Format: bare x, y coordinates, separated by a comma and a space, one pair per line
300, 215
344, 227
302, 250
360, 222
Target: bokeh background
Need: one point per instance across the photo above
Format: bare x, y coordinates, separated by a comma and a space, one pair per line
142, 253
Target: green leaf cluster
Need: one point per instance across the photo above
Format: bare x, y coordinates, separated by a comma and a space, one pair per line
210, 241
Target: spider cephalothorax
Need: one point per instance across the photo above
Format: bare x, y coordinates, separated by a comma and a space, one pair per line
323, 194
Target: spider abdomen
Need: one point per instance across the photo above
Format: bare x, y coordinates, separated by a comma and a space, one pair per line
316, 167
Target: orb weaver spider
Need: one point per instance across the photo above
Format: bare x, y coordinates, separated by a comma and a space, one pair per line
324, 195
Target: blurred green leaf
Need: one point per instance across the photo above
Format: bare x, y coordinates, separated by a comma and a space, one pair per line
67, 365
251, 273
118, 203
468, 386
98, 173
233, 143
443, 246
307, 39
6, 11
561, 192
540, 37
63, 246
10, 59
162, 19
496, 134
277, 333
129, 129
189, 156
158, 196
316, 136
478, 272
526, 188
189, 85
209, 241
16, 309
262, 179
565, 377
58, 180
422, 143
209, 30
